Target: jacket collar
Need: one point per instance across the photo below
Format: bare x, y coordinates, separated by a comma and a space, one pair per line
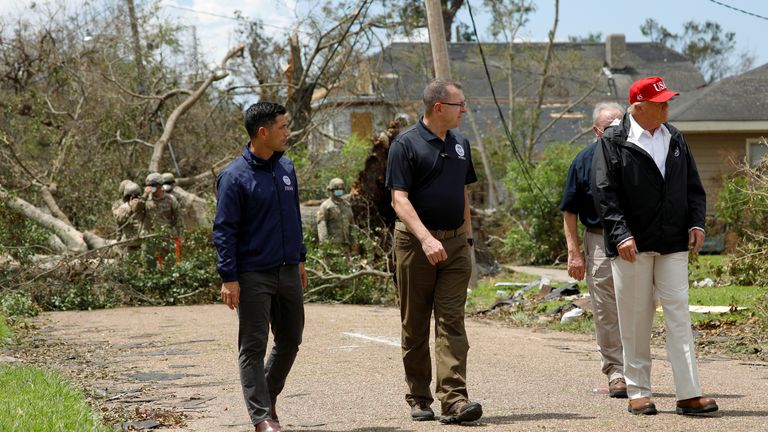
256, 162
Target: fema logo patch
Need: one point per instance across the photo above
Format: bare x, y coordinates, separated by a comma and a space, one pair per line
677, 152
287, 180
460, 151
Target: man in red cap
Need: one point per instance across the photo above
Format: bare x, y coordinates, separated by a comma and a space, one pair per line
651, 202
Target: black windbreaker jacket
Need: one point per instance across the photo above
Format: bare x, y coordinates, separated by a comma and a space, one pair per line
633, 199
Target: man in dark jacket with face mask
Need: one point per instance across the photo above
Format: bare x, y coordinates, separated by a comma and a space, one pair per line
652, 205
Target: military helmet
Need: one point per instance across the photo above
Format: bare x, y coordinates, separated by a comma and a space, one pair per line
121, 188
168, 178
131, 188
336, 183
154, 179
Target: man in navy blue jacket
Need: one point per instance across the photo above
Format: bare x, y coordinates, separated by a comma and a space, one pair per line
257, 233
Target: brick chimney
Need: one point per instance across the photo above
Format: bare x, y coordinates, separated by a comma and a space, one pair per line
615, 51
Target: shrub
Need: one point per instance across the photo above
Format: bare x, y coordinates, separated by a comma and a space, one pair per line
742, 204
537, 233
17, 304
327, 259
194, 279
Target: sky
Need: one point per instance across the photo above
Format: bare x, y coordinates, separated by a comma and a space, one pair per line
215, 28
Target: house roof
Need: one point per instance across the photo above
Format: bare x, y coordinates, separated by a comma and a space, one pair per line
737, 98
404, 68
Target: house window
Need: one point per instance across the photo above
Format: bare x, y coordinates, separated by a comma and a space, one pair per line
757, 149
361, 124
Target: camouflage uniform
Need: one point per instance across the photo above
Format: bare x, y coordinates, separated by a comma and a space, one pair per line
162, 215
130, 216
185, 218
163, 211
334, 218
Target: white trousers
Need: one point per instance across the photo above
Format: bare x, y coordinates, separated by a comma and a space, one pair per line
635, 293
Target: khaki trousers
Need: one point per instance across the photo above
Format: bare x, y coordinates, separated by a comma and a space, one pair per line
635, 299
603, 297
441, 288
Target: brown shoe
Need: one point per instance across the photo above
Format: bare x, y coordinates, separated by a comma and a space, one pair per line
268, 426
642, 405
697, 405
462, 411
617, 388
421, 411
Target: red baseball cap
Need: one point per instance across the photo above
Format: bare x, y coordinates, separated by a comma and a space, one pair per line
652, 89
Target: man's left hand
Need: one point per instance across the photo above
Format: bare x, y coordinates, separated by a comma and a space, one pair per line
576, 268
696, 239
303, 275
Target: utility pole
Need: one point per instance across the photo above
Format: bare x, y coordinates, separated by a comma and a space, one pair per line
443, 70
437, 39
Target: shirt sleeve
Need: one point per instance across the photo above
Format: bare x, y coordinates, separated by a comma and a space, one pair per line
226, 226
570, 194
399, 168
471, 176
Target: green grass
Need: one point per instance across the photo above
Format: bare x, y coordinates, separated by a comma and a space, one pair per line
725, 295
33, 400
705, 266
484, 295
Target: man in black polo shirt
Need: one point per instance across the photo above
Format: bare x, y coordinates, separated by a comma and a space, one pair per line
578, 203
428, 169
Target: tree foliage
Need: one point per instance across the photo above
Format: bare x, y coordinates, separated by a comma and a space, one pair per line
536, 236
743, 205
707, 45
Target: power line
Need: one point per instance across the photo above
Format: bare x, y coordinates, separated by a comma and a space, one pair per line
739, 10
238, 19
521, 161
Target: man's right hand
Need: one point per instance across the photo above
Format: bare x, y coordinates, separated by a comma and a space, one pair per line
576, 268
433, 249
230, 294
628, 250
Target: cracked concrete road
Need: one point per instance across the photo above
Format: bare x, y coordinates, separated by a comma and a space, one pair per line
348, 375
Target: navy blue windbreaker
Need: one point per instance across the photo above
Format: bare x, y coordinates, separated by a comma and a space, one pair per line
258, 222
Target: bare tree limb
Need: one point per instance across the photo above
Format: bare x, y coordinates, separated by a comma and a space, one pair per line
542, 84
552, 122
50, 202
162, 143
131, 141
4, 139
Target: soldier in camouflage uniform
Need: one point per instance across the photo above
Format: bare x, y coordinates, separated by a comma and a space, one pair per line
334, 218
162, 207
130, 216
162, 215
120, 189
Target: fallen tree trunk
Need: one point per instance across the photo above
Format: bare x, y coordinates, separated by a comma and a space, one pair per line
71, 237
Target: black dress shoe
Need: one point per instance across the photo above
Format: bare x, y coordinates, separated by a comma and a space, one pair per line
420, 411
462, 411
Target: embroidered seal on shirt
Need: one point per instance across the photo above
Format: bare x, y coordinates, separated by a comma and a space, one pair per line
677, 152
460, 151
287, 181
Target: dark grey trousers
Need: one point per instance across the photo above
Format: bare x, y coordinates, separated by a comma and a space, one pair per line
275, 297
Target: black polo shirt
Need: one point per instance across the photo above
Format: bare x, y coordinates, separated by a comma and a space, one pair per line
577, 198
433, 172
